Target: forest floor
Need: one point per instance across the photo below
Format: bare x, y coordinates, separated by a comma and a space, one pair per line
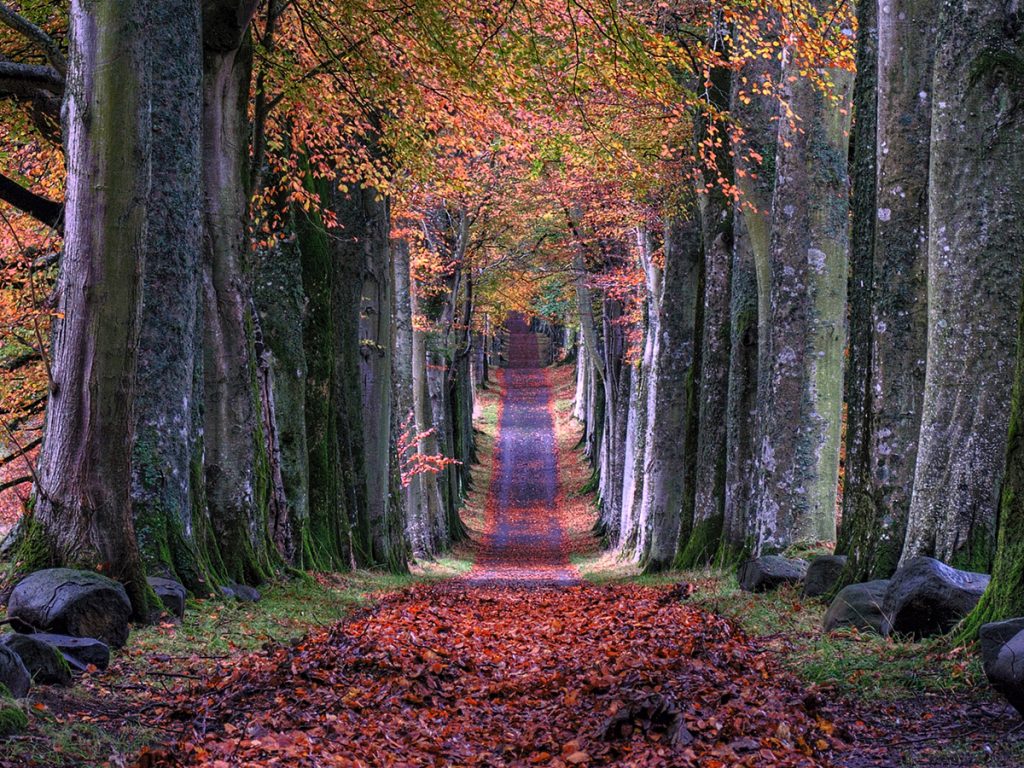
526, 646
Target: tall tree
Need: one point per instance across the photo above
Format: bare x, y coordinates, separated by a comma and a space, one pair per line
236, 462
166, 445
83, 500
888, 281
974, 281
668, 396
755, 108
800, 370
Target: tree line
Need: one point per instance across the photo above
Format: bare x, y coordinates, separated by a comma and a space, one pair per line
857, 305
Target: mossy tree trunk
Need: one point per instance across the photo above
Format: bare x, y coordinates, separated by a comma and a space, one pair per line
668, 396
888, 284
702, 543
166, 439
754, 162
803, 317
237, 466
83, 512
975, 215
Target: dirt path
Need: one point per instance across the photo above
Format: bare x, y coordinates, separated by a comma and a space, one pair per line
523, 543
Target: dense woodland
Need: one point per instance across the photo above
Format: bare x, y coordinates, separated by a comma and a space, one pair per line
257, 255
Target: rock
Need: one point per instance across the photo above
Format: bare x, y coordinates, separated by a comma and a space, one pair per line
823, 574
246, 594
858, 605
76, 603
764, 573
241, 593
1006, 670
13, 675
994, 636
79, 652
927, 597
171, 594
44, 662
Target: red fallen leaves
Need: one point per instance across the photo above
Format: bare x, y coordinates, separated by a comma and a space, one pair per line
452, 675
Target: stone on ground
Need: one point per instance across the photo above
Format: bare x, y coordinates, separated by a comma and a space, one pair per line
858, 606
13, 719
1004, 661
79, 652
13, 674
769, 572
927, 597
241, 593
43, 661
823, 574
171, 594
76, 603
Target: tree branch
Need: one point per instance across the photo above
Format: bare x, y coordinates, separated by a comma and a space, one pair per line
30, 76
17, 22
38, 207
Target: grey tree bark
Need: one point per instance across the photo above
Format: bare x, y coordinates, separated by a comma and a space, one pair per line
755, 111
975, 214
803, 303
888, 285
668, 396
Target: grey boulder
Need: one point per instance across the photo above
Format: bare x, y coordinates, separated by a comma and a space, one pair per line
13, 673
44, 662
1004, 662
769, 572
927, 597
823, 574
171, 594
76, 603
859, 606
241, 593
79, 652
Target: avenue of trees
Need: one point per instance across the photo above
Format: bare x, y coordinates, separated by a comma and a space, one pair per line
781, 242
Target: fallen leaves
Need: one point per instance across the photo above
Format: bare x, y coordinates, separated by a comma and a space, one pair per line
450, 674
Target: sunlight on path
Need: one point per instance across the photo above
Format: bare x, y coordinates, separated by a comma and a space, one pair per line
524, 544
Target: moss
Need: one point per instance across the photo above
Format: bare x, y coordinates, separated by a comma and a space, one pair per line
33, 551
12, 719
703, 544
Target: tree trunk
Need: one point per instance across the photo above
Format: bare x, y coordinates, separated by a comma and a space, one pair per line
888, 315
712, 394
165, 439
800, 370
417, 519
668, 397
755, 111
83, 514
327, 539
975, 215
236, 463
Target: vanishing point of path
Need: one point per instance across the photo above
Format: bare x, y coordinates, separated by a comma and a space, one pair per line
518, 663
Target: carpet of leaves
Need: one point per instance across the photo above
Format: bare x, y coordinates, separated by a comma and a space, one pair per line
451, 675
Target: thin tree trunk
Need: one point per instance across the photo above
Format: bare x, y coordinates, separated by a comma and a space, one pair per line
83, 513
800, 370
975, 215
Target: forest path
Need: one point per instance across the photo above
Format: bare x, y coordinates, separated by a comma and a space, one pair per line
523, 542
519, 662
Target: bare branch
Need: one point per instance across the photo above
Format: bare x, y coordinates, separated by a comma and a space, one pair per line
20, 24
